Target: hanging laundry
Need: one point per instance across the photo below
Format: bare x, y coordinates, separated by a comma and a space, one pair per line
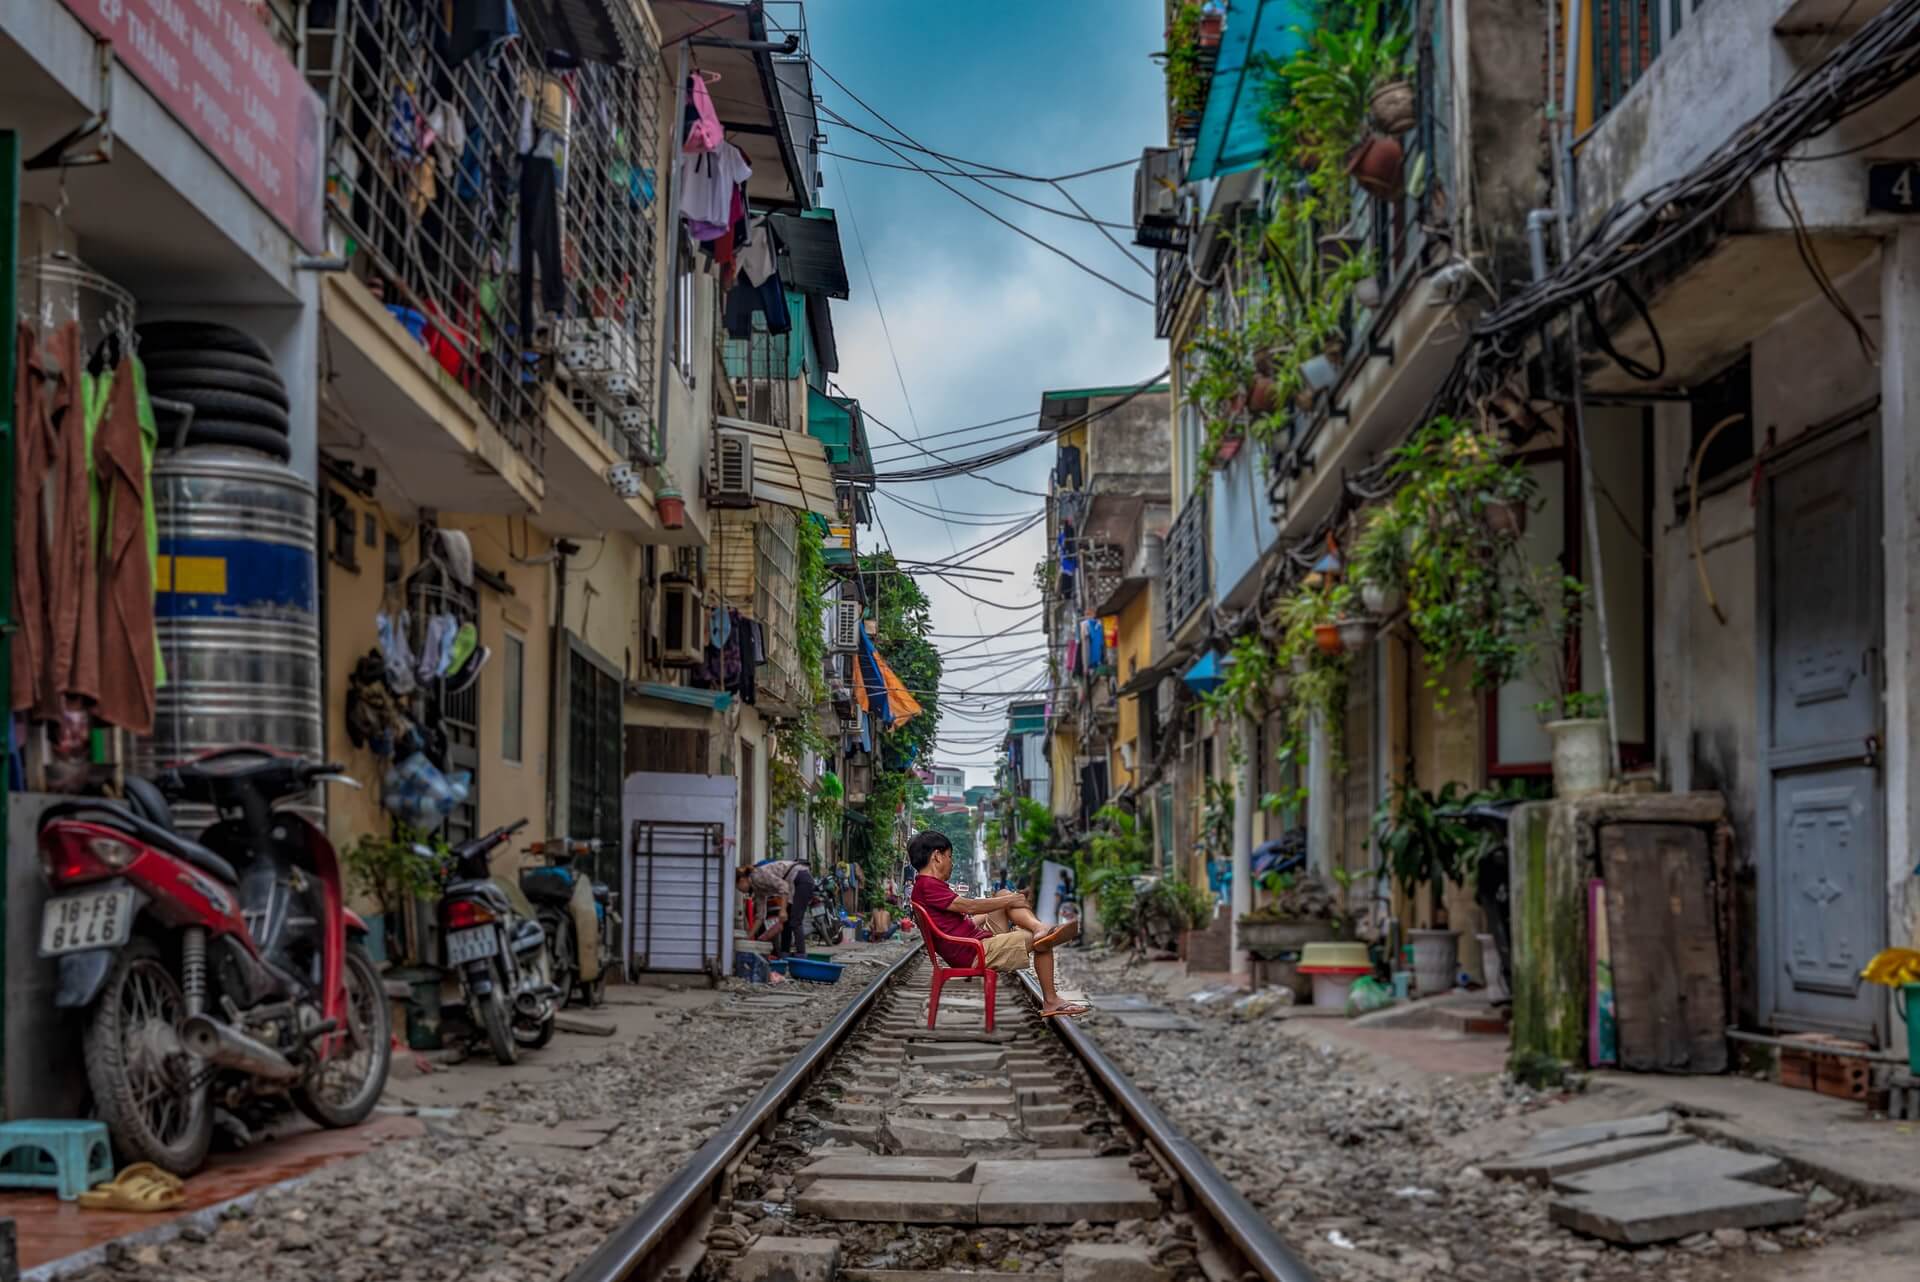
1110, 624
126, 582
73, 597
719, 628
707, 182
1066, 467
397, 649
34, 383
759, 258
704, 132
1096, 643
480, 26
769, 298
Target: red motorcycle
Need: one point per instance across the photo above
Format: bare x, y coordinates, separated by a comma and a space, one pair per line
212, 971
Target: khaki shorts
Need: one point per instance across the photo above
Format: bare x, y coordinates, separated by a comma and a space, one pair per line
1009, 950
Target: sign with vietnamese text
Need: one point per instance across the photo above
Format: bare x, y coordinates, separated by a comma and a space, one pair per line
216, 67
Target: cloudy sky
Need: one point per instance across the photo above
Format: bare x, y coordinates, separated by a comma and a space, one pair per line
981, 320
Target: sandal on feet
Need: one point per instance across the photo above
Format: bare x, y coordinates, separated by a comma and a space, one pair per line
1073, 1011
140, 1187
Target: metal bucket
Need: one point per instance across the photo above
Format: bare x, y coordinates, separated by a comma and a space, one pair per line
237, 612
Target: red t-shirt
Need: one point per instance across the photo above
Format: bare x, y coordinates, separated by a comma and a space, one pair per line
934, 896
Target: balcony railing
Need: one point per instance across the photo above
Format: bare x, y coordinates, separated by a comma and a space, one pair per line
430, 199
1624, 38
774, 596
1171, 281
1187, 562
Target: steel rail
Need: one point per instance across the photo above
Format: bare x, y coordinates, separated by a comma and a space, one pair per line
639, 1248
1265, 1251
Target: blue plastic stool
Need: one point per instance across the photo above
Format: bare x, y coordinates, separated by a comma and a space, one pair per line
69, 1156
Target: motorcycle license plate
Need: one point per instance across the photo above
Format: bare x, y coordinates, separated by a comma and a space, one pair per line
90, 919
472, 945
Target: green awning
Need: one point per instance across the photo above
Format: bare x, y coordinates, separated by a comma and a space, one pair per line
830, 420
1232, 137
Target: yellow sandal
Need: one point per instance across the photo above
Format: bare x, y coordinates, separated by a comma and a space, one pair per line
140, 1187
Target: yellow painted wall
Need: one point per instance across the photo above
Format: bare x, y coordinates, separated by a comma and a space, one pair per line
507, 790
1064, 749
1135, 652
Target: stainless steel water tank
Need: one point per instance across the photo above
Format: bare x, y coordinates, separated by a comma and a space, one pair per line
237, 609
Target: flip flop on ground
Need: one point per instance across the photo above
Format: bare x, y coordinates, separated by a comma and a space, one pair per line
1073, 1010
140, 1187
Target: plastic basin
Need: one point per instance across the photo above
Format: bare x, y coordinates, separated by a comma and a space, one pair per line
817, 972
777, 963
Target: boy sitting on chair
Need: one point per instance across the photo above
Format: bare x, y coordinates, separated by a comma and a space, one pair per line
1005, 923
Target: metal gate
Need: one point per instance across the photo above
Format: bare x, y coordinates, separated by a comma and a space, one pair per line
678, 912
594, 748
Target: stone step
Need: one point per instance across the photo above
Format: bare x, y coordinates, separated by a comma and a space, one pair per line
1664, 1212
965, 1104
1595, 1132
961, 1063
1040, 1197
925, 1137
1684, 1165
1546, 1167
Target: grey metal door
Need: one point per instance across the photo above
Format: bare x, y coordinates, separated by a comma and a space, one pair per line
1821, 840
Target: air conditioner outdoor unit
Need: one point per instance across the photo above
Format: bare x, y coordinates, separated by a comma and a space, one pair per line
1151, 561
732, 469
1157, 199
846, 625
682, 625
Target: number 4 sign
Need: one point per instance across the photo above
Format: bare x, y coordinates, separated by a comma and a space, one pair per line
1893, 187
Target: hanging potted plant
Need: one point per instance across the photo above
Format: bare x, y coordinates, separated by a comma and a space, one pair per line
1186, 85
1421, 843
1378, 164
1392, 106
1380, 560
1505, 514
1213, 24
671, 507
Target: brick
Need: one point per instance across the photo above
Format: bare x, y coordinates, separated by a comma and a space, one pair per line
1108, 1262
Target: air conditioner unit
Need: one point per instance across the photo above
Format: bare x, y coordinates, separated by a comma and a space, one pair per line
732, 469
846, 626
682, 624
1157, 199
1151, 561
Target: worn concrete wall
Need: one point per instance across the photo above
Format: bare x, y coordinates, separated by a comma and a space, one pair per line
1501, 67
1242, 524
1549, 983
1127, 447
1722, 68
1900, 450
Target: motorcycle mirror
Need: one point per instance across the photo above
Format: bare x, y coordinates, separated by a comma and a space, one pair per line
348, 780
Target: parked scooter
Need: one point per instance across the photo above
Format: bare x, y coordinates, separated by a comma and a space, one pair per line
213, 971
499, 956
551, 888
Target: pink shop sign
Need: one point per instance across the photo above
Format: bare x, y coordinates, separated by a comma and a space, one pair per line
216, 67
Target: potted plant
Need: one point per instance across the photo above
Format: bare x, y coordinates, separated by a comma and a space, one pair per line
1356, 631
1575, 719
1213, 24
1393, 107
671, 507
1380, 559
1301, 910
1422, 845
1378, 164
390, 871
1186, 85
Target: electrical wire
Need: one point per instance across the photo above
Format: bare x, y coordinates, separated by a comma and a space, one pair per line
965, 518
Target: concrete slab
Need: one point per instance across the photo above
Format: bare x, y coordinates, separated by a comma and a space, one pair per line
962, 1063
1045, 1114
891, 1201
1544, 1168
789, 1259
1596, 1132
1066, 1136
920, 1137
964, 1104
1078, 1167
1124, 1001
1156, 1021
1685, 1165
937, 1049
916, 1170
1044, 1198
1108, 1262
940, 1275
1661, 1213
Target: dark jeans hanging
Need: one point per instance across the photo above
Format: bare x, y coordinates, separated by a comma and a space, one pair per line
539, 239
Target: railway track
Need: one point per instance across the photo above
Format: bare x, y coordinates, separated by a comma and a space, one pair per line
888, 1152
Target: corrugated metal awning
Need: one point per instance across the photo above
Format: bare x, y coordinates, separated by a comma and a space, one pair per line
789, 468
813, 249
584, 28
1232, 135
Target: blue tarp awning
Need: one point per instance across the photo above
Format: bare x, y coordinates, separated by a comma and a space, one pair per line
1205, 673
1231, 136
713, 700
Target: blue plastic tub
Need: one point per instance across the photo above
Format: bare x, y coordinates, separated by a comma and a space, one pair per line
778, 963
817, 972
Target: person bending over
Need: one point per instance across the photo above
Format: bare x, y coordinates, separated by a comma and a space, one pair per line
1006, 923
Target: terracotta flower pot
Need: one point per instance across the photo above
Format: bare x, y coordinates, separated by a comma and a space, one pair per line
1263, 395
1378, 165
672, 509
1393, 107
1227, 451
1327, 637
1303, 400
1211, 26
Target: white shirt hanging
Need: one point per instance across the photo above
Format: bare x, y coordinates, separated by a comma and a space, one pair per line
707, 180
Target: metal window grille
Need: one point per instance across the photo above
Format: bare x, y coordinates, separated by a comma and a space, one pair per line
1626, 36
762, 369
432, 591
776, 542
424, 180
1187, 561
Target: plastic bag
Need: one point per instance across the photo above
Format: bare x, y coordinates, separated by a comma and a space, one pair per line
1259, 1005
1368, 995
420, 795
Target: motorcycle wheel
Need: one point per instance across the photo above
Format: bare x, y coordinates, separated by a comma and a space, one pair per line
531, 1036
497, 1015
566, 957
136, 1065
350, 1082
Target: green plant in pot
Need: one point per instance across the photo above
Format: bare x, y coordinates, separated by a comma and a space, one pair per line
1423, 846
1186, 85
1300, 909
1379, 560
1575, 719
392, 872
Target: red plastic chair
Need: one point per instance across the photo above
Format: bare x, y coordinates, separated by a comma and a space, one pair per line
942, 972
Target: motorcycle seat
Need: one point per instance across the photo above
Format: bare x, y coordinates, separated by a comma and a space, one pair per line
136, 822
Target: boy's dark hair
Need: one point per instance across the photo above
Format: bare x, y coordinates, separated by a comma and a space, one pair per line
924, 846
